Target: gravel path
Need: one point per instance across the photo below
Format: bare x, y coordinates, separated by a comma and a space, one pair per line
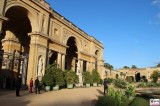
63, 97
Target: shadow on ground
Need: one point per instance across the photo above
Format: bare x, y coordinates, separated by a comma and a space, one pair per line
100, 92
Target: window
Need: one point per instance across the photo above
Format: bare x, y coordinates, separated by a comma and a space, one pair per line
56, 31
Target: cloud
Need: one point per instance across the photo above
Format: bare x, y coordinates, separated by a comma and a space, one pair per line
155, 21
156, 2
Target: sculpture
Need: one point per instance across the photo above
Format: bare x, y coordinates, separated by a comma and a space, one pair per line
40, 67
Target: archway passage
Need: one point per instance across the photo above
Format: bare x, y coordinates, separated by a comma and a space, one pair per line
137, 77
71, 57
15, 42
96, 59
53, 58
17, 28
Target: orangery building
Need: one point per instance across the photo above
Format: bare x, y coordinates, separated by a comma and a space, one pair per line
34, 35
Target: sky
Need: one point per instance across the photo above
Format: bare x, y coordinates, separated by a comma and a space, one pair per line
128, 29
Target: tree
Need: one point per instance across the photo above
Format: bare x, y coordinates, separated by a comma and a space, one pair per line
158, 65
155, 76
126, 67
134, 67
108, 66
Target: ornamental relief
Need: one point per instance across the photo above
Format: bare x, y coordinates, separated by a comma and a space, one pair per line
56, 31
85, 46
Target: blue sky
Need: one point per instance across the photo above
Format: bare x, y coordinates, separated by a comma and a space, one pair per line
128, 29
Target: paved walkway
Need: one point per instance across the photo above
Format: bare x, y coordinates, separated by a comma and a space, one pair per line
64, 97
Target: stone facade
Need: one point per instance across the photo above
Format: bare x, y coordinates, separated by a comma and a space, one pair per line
35, 35
123, 73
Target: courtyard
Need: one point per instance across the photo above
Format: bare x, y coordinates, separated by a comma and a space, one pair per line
63, 97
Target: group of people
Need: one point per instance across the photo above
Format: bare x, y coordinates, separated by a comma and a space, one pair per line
37, 86
19, 83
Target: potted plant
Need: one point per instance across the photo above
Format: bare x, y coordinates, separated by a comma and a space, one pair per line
47, 80
100, 83
87, 78
96, 77
58, 78
70, 78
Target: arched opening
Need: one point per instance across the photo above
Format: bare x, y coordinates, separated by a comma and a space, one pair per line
137, 77
144, 78
53, 58
71, 54
18, 27
96, 59
15, 42
117, 76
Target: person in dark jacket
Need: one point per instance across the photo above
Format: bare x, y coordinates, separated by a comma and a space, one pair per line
37, 86
18, 85
105, 86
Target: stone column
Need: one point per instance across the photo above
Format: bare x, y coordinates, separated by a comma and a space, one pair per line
59, 60
63, 61
81, 68
87, 66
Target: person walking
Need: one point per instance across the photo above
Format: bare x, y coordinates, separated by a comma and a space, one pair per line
18, 85
31, 85
105, 86
37, 86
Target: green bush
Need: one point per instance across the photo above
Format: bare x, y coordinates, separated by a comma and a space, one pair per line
129, 79
139, 101
47, 80
120, 83
58, 77
95, 76
56, 73
87, 77
119, 96
107, 101
155, 76
70, 77
130, 91
109, 80
152, 84
101, 81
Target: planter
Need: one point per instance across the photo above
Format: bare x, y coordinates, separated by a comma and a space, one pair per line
99, 84
47, 88
69, 86
56, 88
88, 85
94, 84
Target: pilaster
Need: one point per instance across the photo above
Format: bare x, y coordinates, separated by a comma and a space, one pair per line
38, 48
63, 61
59, 60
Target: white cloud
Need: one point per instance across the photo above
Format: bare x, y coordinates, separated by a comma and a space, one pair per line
158, 15
156, 2
155, 21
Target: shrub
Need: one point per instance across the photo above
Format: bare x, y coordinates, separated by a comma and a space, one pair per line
58, 77
107, 101
152, 84
95, 76
47, 80
143, 84
119, 96
129, 79
130, 91
120, 83
87, 77
155, 76
139, 101
109, 80
101, 81
70, 77
56, 73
